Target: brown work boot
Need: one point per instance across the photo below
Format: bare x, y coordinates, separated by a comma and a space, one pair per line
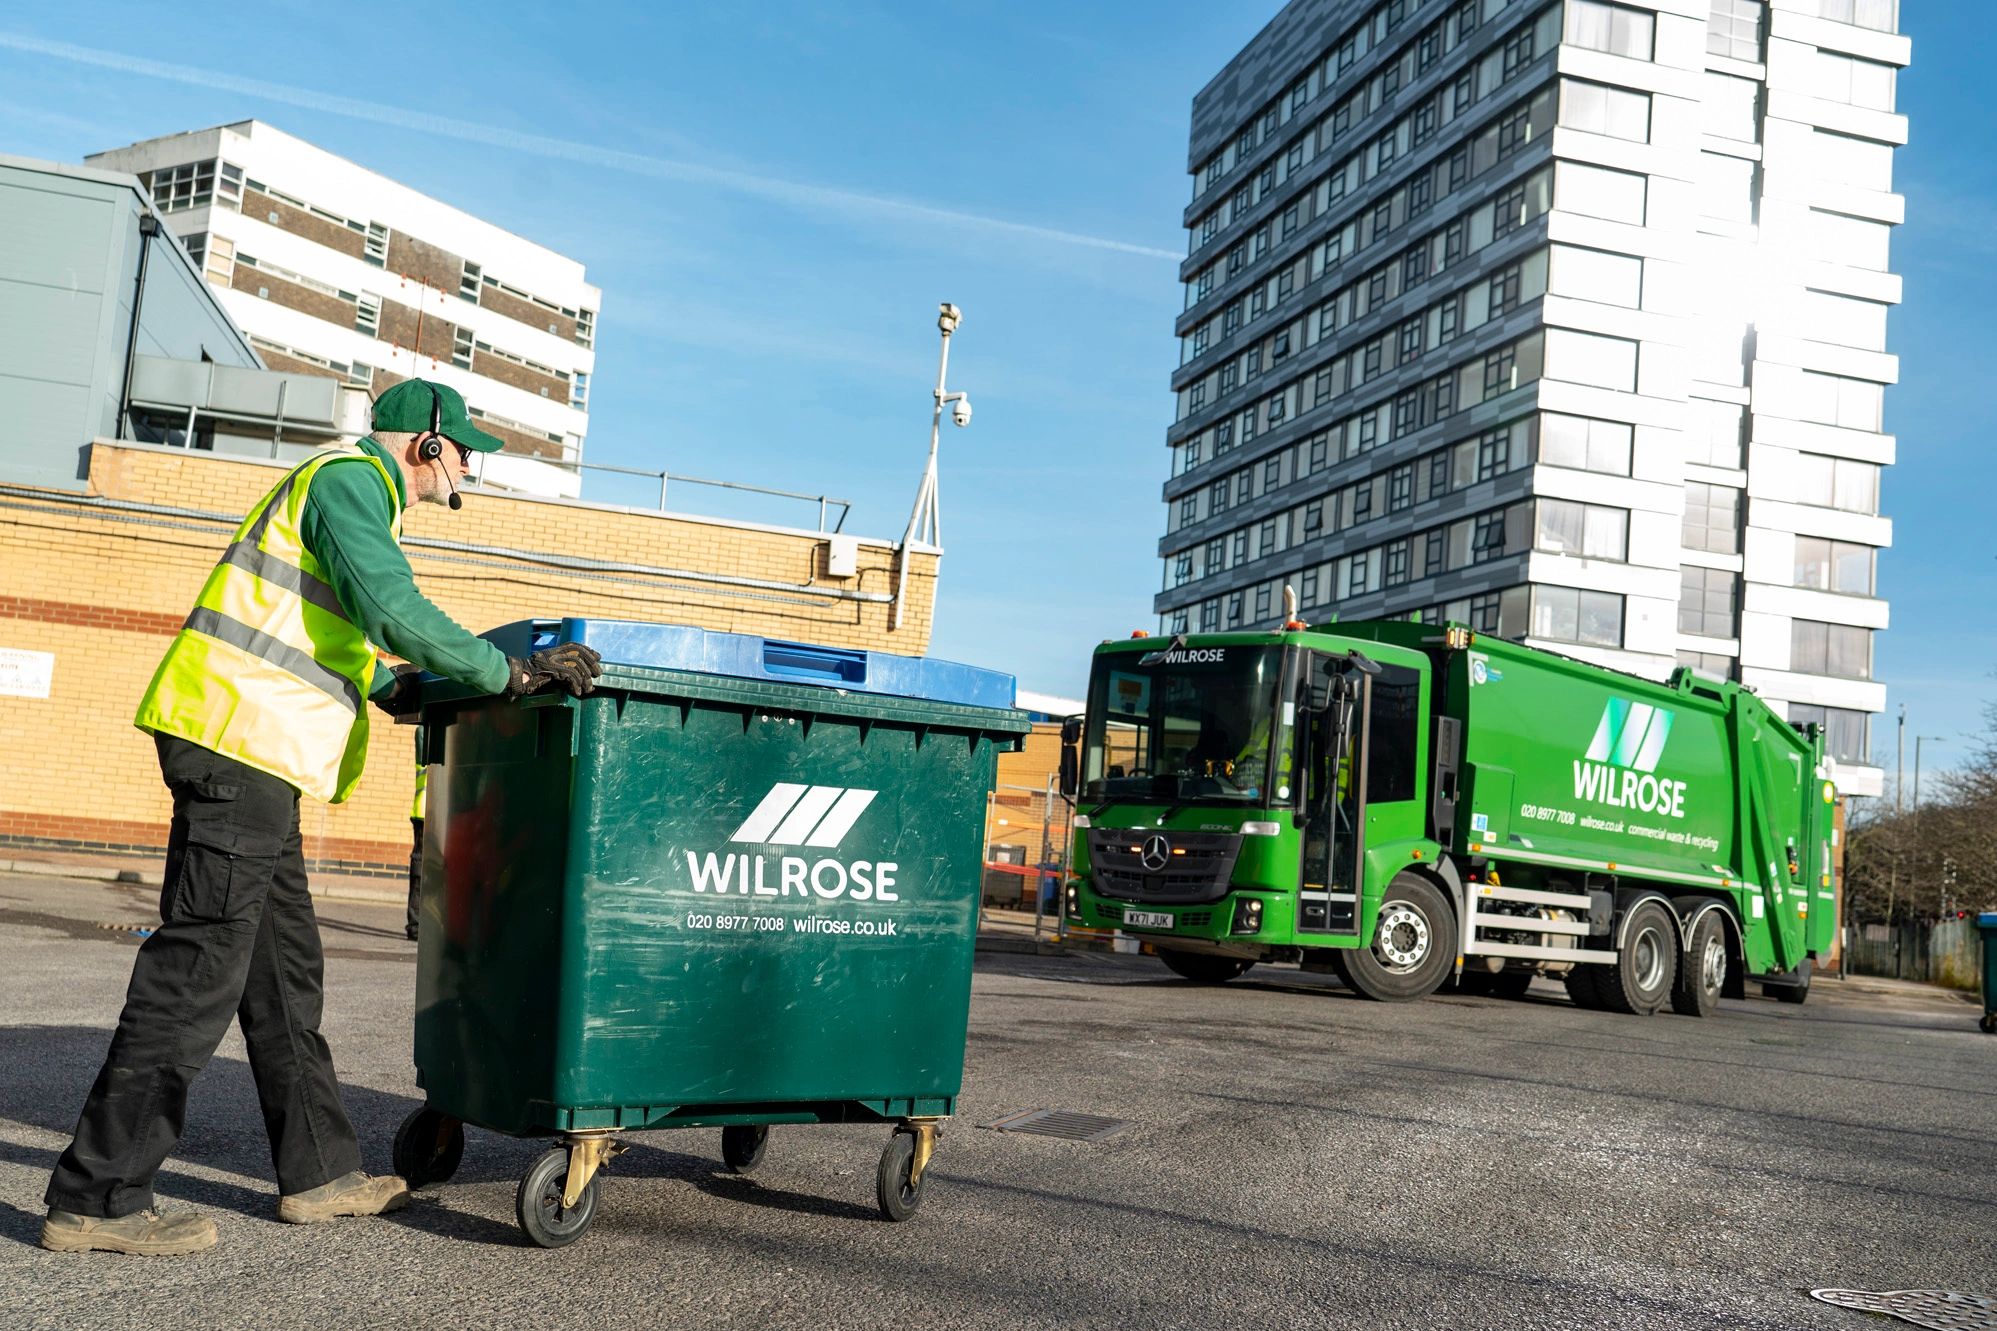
146, 1233
350, 1194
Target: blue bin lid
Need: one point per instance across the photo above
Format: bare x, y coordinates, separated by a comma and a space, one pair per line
745, 656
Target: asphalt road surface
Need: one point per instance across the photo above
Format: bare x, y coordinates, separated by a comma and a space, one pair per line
1297, 1158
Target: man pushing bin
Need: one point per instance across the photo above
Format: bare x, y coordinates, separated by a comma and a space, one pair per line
259, 698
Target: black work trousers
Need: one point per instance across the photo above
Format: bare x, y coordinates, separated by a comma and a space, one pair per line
237, 938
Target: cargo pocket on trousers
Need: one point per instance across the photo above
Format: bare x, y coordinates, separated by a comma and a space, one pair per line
220, 860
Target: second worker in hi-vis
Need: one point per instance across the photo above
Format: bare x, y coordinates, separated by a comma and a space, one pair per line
260, 697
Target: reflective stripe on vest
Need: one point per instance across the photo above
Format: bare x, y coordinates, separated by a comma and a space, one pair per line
422, 789
268, 669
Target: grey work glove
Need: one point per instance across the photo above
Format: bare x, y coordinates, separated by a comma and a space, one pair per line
569, 665
405, 695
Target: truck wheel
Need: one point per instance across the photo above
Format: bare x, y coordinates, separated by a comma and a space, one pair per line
1203, 967
1414, 944
1584, 987
1795, 988
1640, 981
1703, 972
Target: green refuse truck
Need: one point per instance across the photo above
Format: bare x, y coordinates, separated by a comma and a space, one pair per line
1410, 805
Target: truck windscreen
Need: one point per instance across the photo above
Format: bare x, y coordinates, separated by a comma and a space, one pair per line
1183, 725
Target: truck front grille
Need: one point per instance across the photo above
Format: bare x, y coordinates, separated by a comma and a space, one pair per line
1193, 867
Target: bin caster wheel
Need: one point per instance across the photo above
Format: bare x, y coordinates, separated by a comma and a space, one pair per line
898, 1197
538, 1204
743, 1145
428, 1147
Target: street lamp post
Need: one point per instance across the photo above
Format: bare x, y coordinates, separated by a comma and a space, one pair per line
925, 521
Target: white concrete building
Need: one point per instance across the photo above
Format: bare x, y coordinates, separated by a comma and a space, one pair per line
1562, 319
333, 269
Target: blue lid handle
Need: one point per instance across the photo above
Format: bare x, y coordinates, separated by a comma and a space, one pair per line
798, 660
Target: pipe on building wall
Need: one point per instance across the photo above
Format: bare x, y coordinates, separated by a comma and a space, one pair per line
129, 506
148, 228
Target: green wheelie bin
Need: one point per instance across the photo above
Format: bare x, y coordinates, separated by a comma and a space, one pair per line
1986, 925
737, 886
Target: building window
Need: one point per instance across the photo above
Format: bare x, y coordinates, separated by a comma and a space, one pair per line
1216, 556
1310, 589
1189, 510
1589, 358
1494, 452
1487, 538
1611, 28
1504, 291
1841, 483
367, 315
229, 184
1518, 52
1265, 540
1734, 28
1362, 502
1356, 572
461, 349
1706, 602
1586, 445
1435, 547
1591, 531
189, 185
1182, 568
468, 282
1834, 566
1845, 732
1716, 430
1400, 488
1262, 602
1500, 372
1616, 112
1234, 610
579, 390
374, 248
1879, 15
1840, 650
1831, 399
1712, 518
1853, 82
1408, 341
1320, 453
1570, 614
1395, 571
1414, 267
1179, 621
1209, 615
1716, 664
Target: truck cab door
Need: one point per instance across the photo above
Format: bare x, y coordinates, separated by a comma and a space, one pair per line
1332, 750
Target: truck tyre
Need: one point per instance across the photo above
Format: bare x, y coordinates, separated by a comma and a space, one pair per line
1795, 988
1583, 985
1203, 967
1413, 948
1702, 972
1645, 968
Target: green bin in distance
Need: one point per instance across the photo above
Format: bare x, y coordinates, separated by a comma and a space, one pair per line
736, 886
1986, 925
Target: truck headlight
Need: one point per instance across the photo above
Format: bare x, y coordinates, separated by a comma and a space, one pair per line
1247, 915
1075, 900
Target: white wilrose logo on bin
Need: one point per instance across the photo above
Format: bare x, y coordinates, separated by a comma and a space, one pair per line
797, 815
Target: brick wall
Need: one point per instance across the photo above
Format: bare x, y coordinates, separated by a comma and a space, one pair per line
426, 334
291, 295
313, 227
105, 597
425, 262
519, 376
527, 312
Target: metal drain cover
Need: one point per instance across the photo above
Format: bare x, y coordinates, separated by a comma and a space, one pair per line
1938, 1309
1065, 1123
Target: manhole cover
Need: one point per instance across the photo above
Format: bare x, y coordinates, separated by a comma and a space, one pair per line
1061, 1123
1939, 1309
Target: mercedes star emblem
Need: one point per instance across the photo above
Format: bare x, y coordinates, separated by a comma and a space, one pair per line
1156, 855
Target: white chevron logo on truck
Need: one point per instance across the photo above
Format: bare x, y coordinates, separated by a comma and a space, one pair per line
795, 815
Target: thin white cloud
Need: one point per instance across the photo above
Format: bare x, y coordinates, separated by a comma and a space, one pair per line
789, 192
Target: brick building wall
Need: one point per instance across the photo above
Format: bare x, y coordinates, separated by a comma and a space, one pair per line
104, 591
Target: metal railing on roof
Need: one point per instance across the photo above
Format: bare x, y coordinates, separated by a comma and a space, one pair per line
666, 479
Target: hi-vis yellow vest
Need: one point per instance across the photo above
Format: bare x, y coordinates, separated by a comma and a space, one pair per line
268, 669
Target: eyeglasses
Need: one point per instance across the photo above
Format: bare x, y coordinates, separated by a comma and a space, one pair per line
464, 454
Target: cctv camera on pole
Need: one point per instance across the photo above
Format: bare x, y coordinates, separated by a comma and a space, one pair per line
925, 521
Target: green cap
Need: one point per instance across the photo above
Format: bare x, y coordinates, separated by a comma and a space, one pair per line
417, 406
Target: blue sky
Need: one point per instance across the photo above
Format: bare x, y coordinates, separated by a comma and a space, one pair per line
774, 200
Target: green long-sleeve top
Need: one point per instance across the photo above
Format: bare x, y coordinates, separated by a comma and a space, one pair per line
347, 517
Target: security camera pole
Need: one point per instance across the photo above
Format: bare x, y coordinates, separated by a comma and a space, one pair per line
925, 521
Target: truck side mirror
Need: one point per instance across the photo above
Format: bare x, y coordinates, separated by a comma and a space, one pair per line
1071, 730
1070, 771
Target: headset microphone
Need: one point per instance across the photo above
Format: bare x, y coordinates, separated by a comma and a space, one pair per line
432, 449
